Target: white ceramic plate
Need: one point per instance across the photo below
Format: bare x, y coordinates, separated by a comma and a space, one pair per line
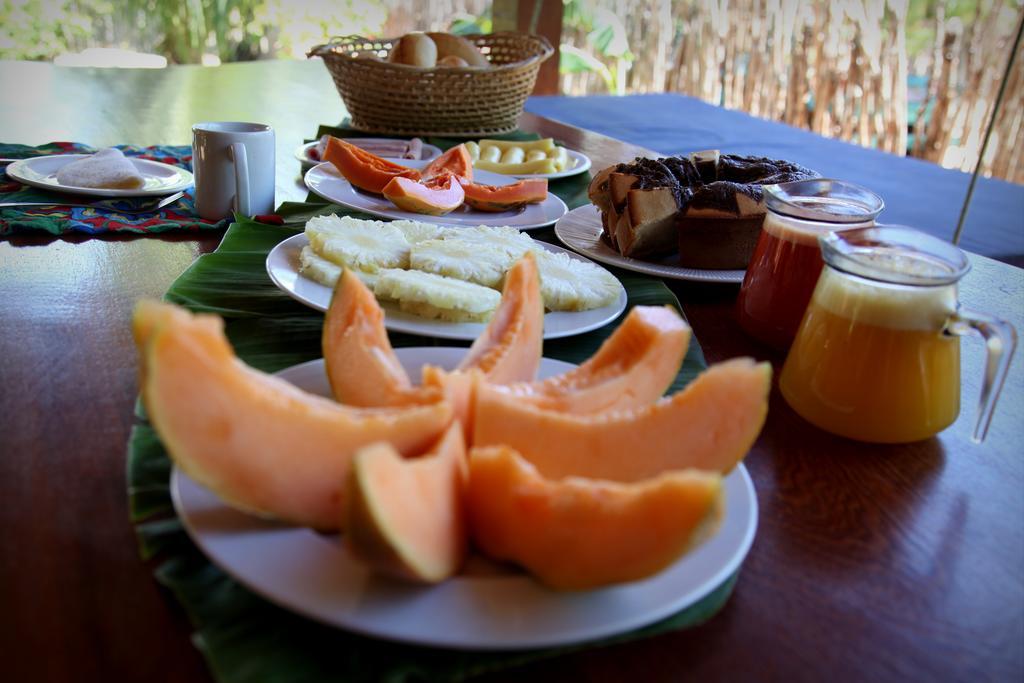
578, 163
325, 181
580, 230
315, 576
283, 269
302, 152
161, 179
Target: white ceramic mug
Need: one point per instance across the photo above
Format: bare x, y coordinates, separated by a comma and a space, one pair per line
233, 164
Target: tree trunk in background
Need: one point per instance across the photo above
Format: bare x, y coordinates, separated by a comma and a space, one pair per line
540, 17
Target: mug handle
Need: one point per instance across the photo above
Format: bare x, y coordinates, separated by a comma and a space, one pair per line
1000, 342
237, 154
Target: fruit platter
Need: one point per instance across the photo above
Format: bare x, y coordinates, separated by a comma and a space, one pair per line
441, 282
447, 190
527, 159
493, 449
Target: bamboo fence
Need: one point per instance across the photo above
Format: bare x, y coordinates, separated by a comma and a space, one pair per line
837, 67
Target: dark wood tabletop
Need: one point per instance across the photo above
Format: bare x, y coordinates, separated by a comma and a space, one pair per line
870, 562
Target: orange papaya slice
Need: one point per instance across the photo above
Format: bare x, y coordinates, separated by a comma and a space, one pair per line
363, 169
494, 198
455, 161
443, 195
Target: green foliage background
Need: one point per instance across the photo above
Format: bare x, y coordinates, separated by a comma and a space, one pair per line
237, 30
180, 30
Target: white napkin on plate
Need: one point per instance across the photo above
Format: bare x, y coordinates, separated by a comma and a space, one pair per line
108, 169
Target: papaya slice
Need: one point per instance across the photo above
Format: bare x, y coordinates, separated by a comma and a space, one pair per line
261, 444
406, 517
632, 368
363, 169
494, 198
709, 425
361, 365
577, 533
456, 161
443, 195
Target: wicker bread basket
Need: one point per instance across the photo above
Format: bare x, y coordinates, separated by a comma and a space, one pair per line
397, 99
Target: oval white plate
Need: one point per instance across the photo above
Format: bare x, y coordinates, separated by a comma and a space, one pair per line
578, 163
283, 269
315, 576
580, 230
161, 179
302, 152
324, 180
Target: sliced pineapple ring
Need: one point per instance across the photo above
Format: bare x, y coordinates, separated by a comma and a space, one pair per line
415, 231
468, 260
446, 273
435, 296
567, 284
358, 244
325, 272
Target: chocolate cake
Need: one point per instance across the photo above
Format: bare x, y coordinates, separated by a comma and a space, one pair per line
708, 205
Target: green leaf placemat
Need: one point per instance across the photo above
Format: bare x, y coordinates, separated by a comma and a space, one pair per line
244, 638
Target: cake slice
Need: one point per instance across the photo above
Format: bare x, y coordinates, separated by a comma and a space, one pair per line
708, 205
647, 224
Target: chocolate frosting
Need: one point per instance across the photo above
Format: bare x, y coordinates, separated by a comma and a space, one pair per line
736, 174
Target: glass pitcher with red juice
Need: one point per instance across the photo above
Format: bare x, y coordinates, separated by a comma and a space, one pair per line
787, 259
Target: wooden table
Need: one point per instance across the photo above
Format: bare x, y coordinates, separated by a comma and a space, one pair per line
875, 563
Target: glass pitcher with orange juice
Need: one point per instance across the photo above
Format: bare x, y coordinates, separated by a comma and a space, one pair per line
787, 261
877, 355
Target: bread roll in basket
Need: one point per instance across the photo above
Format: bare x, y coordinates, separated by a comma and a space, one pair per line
472, 101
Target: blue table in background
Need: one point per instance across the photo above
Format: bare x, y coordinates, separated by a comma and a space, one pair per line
917, 193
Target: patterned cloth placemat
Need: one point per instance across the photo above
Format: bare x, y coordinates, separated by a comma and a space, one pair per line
58, 219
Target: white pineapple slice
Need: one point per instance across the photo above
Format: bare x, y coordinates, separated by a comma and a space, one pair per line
332, 224
358, 244
568, 284
435, 296
513, 242
317, 268
469, 260
321, 270
415, 231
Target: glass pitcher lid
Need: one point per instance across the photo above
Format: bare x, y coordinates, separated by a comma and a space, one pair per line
894, 254
823, 200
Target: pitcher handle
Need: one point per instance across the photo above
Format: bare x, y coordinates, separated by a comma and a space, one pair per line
237, 153
1000, 341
